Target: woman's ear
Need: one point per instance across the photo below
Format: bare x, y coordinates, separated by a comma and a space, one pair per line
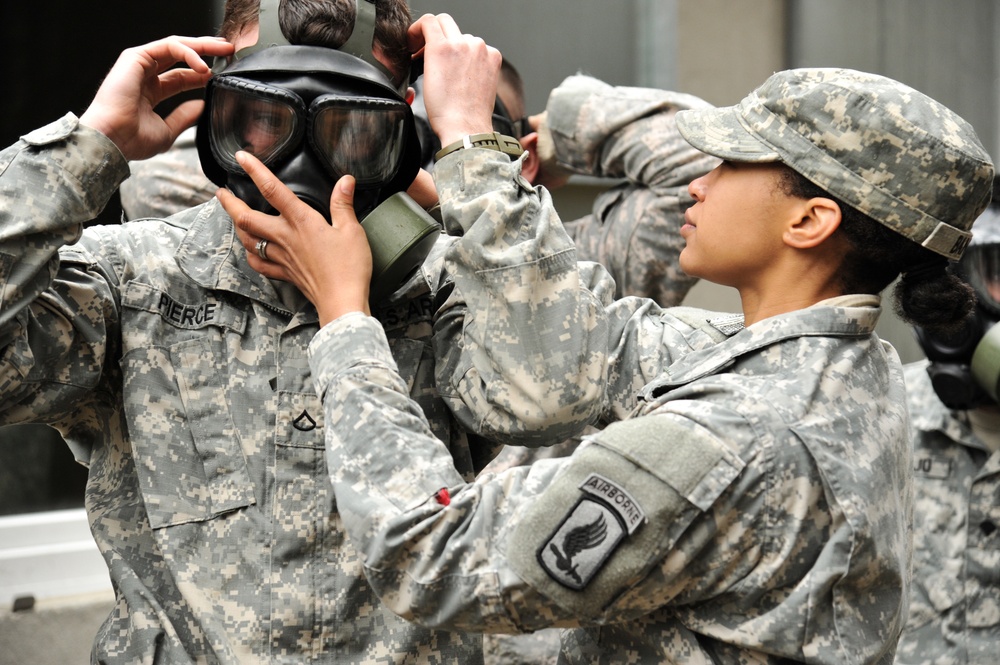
816, 220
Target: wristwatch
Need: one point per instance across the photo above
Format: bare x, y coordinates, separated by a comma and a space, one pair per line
508, 145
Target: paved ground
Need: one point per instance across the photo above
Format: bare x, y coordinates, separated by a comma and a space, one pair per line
54, 635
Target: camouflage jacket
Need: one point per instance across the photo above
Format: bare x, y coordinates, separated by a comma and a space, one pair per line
630, 134
177, 374
627, 134
167, 183
751, 506
954, 614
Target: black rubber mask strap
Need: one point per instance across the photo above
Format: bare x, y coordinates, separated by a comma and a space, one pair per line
362, 39
268, 29
361, 43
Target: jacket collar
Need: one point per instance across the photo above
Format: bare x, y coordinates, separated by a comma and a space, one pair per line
213, 257
816, 321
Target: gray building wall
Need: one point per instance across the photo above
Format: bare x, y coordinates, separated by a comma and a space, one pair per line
945, 48
548, 40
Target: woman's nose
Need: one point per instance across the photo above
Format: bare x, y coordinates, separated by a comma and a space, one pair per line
696, 188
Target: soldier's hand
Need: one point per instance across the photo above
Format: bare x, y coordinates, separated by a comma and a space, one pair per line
331, 263
460, 77
141, 78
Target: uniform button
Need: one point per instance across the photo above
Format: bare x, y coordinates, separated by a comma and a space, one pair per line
988, 527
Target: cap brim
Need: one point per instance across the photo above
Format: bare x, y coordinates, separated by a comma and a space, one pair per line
719, 132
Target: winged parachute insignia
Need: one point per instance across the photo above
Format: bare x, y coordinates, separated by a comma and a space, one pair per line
583, 542
577, 540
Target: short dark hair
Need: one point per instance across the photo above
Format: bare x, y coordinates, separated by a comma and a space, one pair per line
326, 23
934, 299
510, 76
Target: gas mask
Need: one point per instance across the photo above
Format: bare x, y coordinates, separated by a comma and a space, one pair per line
312, 115
965, 366
505, 123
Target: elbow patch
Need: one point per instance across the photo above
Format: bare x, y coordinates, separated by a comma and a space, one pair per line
617, 509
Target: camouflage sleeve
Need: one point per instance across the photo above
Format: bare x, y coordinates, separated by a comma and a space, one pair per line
53, 316
167, 183
630, 134
521, 342
388, 472
493, 555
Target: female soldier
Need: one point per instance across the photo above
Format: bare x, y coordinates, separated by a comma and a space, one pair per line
750, 499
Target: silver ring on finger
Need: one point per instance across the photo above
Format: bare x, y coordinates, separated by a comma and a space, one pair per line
262, 249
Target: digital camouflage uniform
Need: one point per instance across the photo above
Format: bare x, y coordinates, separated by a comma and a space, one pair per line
167, 183
759, 475
955, 595
180, 377
630, 134
596, 129
634, 232
750, 499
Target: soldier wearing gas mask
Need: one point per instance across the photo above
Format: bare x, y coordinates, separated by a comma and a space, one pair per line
954, 614
178, 373
313, 114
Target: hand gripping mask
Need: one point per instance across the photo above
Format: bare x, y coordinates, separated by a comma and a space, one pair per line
312, 115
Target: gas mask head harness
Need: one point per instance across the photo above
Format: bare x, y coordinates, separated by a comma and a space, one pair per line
965, 365
313, 114
505, 123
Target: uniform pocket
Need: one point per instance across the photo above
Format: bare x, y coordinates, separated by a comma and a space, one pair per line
187, 451
932, 595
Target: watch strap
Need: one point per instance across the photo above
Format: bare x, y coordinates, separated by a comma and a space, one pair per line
508, 145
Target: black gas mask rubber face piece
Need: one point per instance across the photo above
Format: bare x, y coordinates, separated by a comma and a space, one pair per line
965, 365
505, 123
950, 358
311, 115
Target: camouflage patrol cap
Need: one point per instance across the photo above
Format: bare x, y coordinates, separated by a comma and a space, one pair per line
884, 148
